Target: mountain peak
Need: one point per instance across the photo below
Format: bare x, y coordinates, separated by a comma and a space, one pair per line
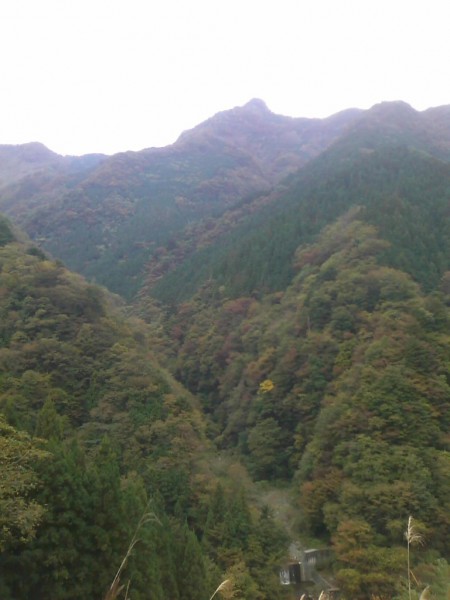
247, 116
394, 107
32, 151
256, 104
396, 117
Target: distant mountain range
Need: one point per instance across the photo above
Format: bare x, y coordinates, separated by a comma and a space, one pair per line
133, 218
104, 216
294, 277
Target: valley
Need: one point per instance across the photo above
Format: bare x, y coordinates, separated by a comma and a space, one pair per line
245, 337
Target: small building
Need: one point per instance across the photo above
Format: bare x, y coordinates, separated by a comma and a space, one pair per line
304, 572
291, 574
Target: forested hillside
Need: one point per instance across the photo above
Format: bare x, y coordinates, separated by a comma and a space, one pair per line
288, 282
379, 164
339, 384
106, 221
34, 164
94, 436
322, 354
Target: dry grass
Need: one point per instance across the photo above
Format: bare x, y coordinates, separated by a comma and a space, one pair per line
412, 536
225, 585
116, 589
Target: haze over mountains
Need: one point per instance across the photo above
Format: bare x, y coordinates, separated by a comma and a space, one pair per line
106, 216
294, 276
95, 212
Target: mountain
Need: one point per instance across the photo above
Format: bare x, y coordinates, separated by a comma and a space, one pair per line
312, 322
135, 218
101, 450
107, 220
28, 161
386, 162
338, 384
294, 280
22, 160
277, 144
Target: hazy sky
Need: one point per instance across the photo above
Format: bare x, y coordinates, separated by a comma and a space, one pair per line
112, 75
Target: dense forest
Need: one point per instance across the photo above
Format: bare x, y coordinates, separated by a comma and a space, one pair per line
105, 217
96, 435
340, 384
275, 374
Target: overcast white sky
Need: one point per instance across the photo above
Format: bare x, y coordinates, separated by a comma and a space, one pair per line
112, 75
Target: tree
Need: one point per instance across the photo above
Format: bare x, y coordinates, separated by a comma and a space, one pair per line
267, 445
19, 512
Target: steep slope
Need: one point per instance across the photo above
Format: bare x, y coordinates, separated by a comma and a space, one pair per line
319, 354
311, 322
278, 145
63, 338
97, 438
384, 163
107, 223
341, 385
34, 165
18, 161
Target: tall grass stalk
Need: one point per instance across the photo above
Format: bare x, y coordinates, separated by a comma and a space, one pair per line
222, 586
115, 588
412, 537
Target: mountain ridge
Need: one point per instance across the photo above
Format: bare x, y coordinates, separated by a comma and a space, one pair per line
145, 198
115, 217
307, 316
